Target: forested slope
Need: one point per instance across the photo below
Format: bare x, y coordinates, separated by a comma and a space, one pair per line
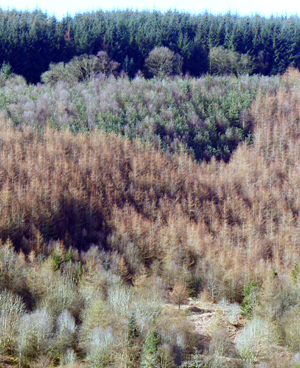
91, 222
87, 188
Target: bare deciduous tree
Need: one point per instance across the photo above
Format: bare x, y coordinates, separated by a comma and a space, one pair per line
179, 294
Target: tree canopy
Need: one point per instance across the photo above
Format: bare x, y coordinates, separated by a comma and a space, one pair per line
30, 41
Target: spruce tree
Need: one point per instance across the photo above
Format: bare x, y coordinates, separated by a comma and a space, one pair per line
150, 356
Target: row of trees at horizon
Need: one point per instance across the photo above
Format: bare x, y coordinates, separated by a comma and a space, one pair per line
30, 41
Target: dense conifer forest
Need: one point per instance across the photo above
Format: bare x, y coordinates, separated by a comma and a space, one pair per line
149, 191
30, 41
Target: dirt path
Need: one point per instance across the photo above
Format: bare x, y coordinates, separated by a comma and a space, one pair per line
207, 316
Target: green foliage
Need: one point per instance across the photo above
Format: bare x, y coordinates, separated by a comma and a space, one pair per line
132, 330
155, 354
162, 62
153, 341
196, 287
56, 261
223, 61
80, 68
31, 41
251, 298
257, 335
5, 70
5, 73
133, 347
206, 117
151, 347
295, 271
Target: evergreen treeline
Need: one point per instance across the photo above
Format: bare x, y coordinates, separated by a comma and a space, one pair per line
29, 41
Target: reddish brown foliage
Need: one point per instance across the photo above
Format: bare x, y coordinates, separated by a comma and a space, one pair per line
227, 222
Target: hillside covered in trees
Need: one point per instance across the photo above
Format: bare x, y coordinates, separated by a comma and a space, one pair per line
149, 191
99, 232
30, 41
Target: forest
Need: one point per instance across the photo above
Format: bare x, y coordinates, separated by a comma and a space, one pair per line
149, 216
30, 41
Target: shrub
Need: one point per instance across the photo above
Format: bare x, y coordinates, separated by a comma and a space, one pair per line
5, 73
177, 332
43, 362
105, 65
120, 299
69, 357
131, 350
11, 303
251, 299
220, 344
11, 309
290, 328
12, 276
277, 296
231, 312
151, 348
65, 334
100, 348
35, 332
196, 360
256, 340
97, 314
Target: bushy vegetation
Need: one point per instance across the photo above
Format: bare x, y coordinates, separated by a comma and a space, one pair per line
224, 62
162, 62
96, 327
81, 68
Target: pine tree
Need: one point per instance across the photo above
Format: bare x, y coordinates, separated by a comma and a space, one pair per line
132, 330
150, 355
133, 348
